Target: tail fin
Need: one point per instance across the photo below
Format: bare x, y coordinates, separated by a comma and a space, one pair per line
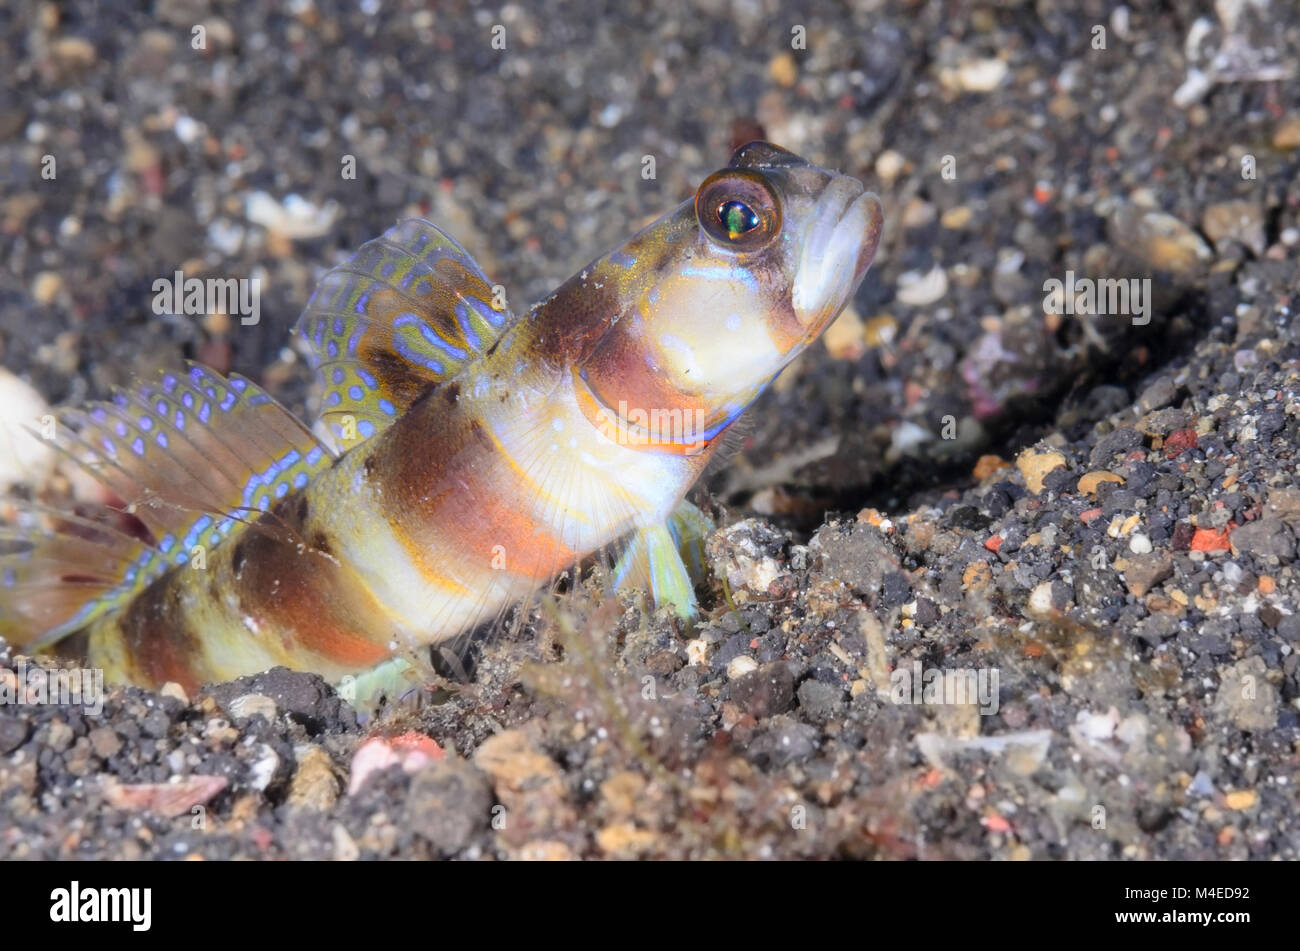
191, 456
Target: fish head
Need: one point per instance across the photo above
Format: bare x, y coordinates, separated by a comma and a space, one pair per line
721, 294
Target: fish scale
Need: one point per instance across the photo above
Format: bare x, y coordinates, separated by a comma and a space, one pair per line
479, 454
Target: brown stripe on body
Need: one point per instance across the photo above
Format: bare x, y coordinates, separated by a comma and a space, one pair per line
461, 499
273, 582
291, 587
569, 324
621, 372
157, 637
592, 323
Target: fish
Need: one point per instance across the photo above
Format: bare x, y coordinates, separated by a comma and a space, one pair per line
463, 457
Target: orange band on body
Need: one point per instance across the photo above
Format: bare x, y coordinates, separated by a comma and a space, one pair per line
614, 428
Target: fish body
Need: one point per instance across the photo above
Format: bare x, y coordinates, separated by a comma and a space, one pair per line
479, 454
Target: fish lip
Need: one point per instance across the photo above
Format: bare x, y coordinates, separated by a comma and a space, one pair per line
843, 237
869, 205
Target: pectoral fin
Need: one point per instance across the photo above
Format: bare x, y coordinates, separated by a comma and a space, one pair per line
386, 682
661, 560
690, 527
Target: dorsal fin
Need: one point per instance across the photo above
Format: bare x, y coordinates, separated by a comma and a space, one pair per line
407, 311
191, 456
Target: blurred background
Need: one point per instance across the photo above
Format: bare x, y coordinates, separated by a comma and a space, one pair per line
1009, 141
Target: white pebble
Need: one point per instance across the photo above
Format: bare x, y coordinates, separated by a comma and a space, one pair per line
981, 75
919, 289
24, 459
697, 652
740, 665
251, 705
1040, 599
187, 130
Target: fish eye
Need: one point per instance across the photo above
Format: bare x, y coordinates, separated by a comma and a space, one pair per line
738, 210
737, 217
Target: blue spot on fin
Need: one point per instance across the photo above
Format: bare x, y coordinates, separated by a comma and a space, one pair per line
218, 450
408, 309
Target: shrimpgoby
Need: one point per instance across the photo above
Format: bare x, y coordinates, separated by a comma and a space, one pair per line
475, 454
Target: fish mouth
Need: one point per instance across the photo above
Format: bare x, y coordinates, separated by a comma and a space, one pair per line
842, 239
